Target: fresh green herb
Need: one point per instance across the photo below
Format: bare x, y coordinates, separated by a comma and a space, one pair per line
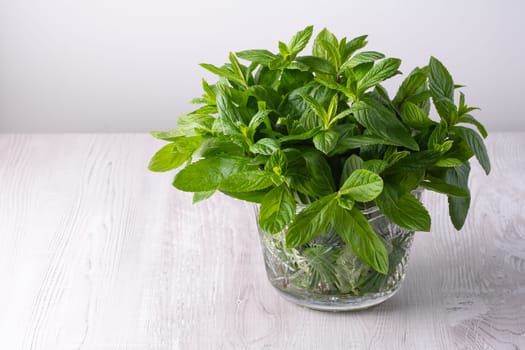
318, 131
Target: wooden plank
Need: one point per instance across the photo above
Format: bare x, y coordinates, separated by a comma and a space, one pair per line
98, 253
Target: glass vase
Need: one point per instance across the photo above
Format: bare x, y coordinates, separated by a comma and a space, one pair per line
325, 274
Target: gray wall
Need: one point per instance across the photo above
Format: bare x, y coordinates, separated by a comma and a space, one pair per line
128, 65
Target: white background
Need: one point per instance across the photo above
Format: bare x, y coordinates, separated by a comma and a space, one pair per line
127, 65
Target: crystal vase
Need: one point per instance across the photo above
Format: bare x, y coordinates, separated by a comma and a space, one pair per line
325, 274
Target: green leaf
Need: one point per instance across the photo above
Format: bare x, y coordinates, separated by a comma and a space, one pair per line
362, 185
192, 124
414, 83
416, 161
394, 157
467, 118
448, 163
254, 196
440, 186
263, 57
414, 116
284, 50
317, 64
206, 174
325, 141
200, 196
354, 229
352, 142
278, 162
277, 209
442, 90
351, 164
332, 48
438, 136
311, 175
258, 119
246, 181
300, 40
174, 154
337, 87
302, 136
354, 45
345, 201
441, 83
375, 165
384, 125
403, 208
229, 116
475, 143
320, 48
444, 147
224, 72
238, 70
311, 221
265, 146
458, 207
379, 72
362, 57
316, 107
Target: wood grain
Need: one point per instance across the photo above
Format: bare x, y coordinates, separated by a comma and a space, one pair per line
98, 253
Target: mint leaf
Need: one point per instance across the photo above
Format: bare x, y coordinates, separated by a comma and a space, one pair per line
458, 207
416, 161
351, 164
403, 208
263, 57
476, 145
345, 201
325, 141
352, 142
229, 115
314, 177
277, 209
225, 73
278, 162
354, 229
300, 40
414, 84
254, 196
379, 72
206, 174
257, 119
442, 90
320, 48
440, 186
265, 146
354, 45
375, 165
441, 83
311, 221
317, 108
362, 57
317, 64
246, 181
415, 117
200, 196
384, 125
174, 154
362, 185
467, 118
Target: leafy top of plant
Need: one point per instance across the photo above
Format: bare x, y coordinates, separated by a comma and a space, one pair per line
284, 129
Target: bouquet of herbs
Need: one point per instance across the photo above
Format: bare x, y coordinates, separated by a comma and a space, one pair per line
318, 131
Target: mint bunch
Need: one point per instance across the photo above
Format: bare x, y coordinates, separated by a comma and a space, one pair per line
284, 129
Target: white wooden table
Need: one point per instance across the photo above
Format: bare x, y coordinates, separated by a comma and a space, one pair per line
98, 253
